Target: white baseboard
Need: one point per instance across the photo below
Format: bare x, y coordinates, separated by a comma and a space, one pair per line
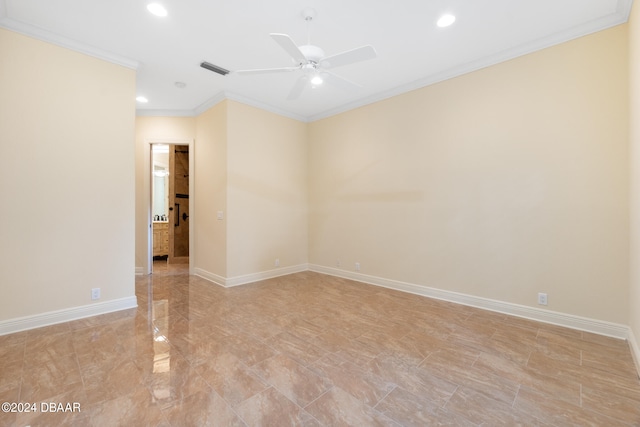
212, 277
59, 316
635, 350
561, 319
249, 278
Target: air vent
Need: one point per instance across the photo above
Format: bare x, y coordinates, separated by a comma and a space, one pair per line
214, 68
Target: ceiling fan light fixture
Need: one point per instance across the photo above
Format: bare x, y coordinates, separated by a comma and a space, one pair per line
446, 20
157, 9
312, 62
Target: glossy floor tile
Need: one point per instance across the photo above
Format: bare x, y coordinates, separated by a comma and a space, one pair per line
311, 350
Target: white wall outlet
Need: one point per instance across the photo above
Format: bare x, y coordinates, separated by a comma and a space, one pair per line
338, 263
542, 298
95, 293
220, 215
357, 266
277, 263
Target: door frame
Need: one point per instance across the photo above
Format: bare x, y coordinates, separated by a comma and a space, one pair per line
147, 188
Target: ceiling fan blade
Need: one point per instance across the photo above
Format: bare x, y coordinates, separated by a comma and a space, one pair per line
289, 45
266, 70
297, 88
349, 57
339, 81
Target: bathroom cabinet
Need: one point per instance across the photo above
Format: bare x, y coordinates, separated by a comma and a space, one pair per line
160, 238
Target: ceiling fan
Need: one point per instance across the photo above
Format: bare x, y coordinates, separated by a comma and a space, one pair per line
312, 61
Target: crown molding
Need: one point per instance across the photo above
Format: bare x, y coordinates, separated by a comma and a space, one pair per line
164, 113
215, 100
46, 36
209, 103
264, 106
621, 16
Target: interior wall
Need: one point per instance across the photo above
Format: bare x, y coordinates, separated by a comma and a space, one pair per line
211, 192
66, 178
500, 184
267, 191
634, 114
152, 129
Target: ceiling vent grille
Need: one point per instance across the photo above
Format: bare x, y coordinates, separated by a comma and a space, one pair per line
214, 68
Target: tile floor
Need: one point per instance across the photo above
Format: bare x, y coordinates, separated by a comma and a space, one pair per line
313, 350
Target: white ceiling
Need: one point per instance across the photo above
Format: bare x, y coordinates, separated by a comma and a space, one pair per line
234, 34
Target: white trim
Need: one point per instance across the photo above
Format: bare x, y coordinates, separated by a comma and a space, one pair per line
263, 106
46, 36
599, 327
165, 113
215, 100
619, 17
635, 350
249, 278
60, 316
209, 103
192, 191
269, 274
623, 10
546, 316
212, 277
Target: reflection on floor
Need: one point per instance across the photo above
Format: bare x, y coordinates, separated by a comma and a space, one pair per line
163, 267
314, 350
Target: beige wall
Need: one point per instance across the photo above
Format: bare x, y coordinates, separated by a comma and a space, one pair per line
500, 184
211, 191
66, 178
634, 74
152, 129
267, 191
251, 165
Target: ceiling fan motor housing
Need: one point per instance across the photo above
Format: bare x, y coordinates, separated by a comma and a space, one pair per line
312, 53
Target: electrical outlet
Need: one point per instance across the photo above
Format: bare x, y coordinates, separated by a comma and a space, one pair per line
277, 263
95, 293
357, 266
542, 298
338, 263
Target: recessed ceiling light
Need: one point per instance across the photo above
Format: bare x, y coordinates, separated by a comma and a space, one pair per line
157, 9
142, 99
446, 20
180, 85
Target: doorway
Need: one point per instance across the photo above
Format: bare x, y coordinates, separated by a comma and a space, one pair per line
171, 184
179, 204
